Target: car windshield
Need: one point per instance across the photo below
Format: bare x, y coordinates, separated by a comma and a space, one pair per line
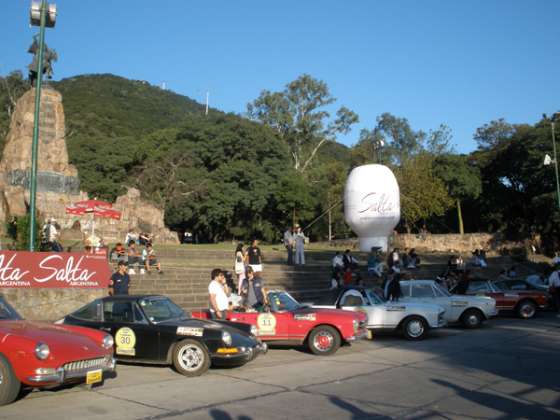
441, 291
374, 298
282, 301
161, 309
7, 313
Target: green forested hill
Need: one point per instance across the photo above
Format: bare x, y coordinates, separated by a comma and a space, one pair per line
108, 105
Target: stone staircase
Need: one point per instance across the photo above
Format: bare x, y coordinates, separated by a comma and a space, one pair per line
187, 273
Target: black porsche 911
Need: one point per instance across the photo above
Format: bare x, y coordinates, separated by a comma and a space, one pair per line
153, 329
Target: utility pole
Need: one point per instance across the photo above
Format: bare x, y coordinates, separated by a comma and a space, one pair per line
207, 98
42, 15
552, 121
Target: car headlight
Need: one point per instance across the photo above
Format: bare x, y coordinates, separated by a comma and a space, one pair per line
226, 338
42, 351
254, 330
355, 324
107, 342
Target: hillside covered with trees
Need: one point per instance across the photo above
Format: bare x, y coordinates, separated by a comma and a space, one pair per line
228, 176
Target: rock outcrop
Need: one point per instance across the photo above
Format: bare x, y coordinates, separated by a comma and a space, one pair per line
57, 181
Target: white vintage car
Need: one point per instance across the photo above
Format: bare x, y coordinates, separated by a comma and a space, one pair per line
470, 311
413, 319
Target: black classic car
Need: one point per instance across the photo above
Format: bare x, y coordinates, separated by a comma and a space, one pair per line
153, 329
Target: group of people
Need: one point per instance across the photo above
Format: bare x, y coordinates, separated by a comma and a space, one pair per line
50, 236
294, 241
251, 295
145, 261
344, 269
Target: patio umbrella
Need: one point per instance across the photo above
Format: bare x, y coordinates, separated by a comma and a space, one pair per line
96, 208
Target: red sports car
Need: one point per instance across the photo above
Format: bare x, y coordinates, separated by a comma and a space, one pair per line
511, 295
287, 322
36, 354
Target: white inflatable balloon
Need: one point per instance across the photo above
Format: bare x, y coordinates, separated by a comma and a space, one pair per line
372, 205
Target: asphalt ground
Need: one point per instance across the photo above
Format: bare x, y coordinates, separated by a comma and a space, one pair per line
510, 368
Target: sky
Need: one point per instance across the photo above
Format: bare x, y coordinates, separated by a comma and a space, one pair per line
460, 63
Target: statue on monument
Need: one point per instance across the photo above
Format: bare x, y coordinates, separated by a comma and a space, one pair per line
48, 57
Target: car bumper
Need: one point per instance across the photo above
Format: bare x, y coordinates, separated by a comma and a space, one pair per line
242, 356
360, 335
72, 371
492, 313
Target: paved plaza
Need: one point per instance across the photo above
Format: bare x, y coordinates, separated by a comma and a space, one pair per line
508, 369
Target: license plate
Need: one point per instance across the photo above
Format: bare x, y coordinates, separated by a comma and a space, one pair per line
94, 376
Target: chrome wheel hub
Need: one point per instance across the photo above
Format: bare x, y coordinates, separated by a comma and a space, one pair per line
472, 319
323, 341
191, 357
415, 328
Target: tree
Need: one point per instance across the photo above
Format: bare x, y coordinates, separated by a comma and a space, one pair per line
401, 141
422, 193
461, 178
298, 114
12, 87
492, 134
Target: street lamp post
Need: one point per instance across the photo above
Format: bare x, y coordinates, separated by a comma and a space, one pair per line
43, 15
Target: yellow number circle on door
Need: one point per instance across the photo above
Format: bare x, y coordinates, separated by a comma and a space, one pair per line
125, 341
266, 324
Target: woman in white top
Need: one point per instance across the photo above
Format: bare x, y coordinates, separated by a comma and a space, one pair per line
239, 265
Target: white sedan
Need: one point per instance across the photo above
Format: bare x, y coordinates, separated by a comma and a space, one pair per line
413, 319
470, 311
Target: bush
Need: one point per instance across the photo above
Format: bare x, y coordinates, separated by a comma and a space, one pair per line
22, 233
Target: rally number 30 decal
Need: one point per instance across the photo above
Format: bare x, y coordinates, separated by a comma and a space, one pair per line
125, 341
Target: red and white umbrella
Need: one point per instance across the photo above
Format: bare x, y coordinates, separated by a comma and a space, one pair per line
96, 208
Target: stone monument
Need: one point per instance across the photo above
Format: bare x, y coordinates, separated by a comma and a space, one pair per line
57, 181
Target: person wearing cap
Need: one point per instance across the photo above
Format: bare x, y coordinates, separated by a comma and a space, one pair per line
120, 281
299, 238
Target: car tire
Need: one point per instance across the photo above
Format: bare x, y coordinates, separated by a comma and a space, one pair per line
526, 309
472, 318
414, 328
9, 383
323, 340
190, 358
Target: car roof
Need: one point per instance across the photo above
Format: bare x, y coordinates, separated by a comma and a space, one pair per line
132, 297
424, 281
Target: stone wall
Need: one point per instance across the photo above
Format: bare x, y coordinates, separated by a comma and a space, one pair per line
49, 304
463, 244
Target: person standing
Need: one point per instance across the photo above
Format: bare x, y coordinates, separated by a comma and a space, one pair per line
218, 294
253, 291
120, 281
239, 265
394, 291
299, 239
289, 244
253, 257
554, 287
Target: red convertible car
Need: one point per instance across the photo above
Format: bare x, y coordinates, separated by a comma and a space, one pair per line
523, 299
287, 322
43, 355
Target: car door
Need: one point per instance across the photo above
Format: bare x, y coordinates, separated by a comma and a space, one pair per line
135, 338
509, 297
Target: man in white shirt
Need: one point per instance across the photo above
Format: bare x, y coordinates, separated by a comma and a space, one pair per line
338, 262
218, 291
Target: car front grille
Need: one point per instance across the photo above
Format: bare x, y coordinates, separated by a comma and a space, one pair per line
89, 364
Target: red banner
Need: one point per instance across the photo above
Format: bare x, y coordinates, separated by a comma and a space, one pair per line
53, 270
